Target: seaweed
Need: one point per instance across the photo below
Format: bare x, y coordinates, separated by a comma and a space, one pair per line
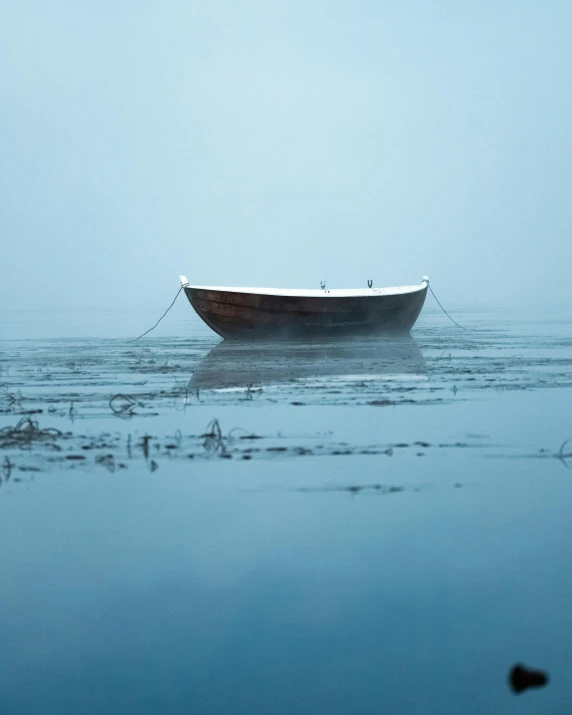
28, 432
563, 456
123, 405
6, 469
214, 440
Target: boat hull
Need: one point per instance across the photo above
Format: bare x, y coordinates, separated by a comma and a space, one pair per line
250, 316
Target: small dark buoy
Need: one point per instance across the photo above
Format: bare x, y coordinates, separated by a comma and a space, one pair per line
522, 678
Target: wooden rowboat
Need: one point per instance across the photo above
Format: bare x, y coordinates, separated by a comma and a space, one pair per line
262, 313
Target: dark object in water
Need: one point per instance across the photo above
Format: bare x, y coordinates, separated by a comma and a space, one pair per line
522, 678
26, 432
122, 405
563, 456
252, 313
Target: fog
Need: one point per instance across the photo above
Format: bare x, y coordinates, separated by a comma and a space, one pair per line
284, 143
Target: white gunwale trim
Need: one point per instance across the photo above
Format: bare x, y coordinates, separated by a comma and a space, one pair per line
320, 293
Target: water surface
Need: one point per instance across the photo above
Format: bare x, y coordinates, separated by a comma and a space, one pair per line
313, 528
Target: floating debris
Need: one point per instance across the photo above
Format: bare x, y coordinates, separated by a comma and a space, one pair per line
107, 461
6, 469
213, 439
123, 405
356, 489
145, 445
246, 435
28, 432
562, 455
522, 678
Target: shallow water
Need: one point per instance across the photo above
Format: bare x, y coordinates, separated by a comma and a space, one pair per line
313, 528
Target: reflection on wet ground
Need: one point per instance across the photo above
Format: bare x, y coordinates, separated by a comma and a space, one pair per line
308, 527
243, 365
59, 376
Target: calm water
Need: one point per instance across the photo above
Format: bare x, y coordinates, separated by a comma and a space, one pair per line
381, 527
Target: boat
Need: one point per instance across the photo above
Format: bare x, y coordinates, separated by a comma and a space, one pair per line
232, 365
283, 313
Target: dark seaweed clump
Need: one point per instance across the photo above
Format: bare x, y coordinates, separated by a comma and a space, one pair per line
26, 433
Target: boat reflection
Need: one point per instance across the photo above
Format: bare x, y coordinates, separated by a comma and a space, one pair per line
237, 365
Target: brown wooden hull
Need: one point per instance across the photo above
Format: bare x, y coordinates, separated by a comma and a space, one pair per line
244, 316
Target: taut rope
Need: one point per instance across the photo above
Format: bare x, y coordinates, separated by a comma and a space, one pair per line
161, 318
443, 309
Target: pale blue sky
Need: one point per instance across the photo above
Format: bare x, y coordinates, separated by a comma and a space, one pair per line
281, 143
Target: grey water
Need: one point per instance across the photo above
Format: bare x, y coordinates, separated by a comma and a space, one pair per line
194, 527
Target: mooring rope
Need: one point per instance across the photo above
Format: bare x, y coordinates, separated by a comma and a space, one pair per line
161, 318
181, 288
443, 309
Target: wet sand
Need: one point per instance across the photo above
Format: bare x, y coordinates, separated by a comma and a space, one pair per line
382, 526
